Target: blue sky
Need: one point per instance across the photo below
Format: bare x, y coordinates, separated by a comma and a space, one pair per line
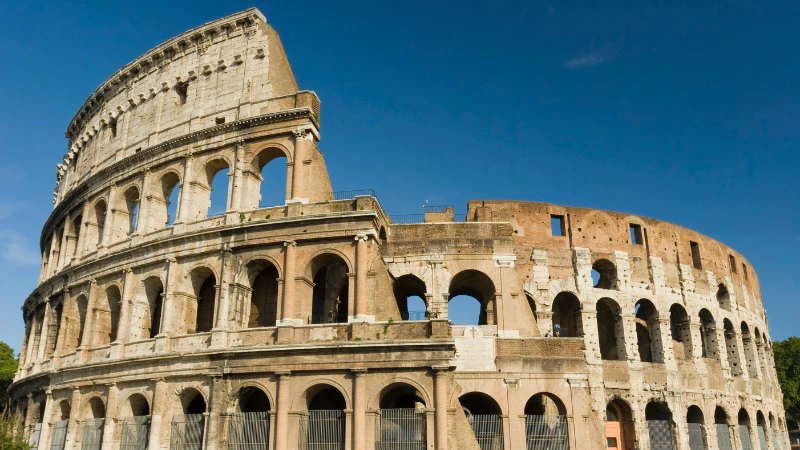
683, 111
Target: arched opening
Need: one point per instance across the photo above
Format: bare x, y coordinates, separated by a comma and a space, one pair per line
94, 420
620, 431
648, 332
708, 334
153, 305
610, 330
330, 298
774, 433
249, 428
567, 321
76, 235
167, 210
100, 209
532, 306
263, 277
217, 177
324, 421
604, 274
76, 324
761, 427
401, 420
546, 422
681, 332
409, 293
135, 423
486, 419
467, 288
53, 328
744, 429
270, 163
58, 434
106, 317
659, 425
130, 214
732, 347
723, 297
749, 351
205, 290
762, 360
696, 424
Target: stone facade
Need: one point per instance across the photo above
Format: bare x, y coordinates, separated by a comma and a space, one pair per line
593, 325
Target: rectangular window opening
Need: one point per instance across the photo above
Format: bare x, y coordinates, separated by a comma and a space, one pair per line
732, 261
744, 271
182, 90
220, 120
112, 126
557, 226
636, 234
696, 255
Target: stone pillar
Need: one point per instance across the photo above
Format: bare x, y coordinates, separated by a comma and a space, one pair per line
282, 410
62, 248
223, 311
52, 266
362, 264
80, 245
237, 180
74, 419
298, 173
124, 328
109, 223
157, 411
29, 414
185, 198
88, 327
664, 327
44, 436
142, 224
215, 406
440, 404
169, 309
630, 337
289, 272
29, 358
111, 410
359, 408
48, 311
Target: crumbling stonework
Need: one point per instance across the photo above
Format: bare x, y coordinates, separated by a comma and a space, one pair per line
157, 314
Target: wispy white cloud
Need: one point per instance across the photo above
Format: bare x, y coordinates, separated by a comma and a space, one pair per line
15, 249
589, 60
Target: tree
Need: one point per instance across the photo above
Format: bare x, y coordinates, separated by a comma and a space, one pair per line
787, 365
11, 435
8, 367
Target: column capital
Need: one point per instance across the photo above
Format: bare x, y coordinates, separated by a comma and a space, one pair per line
441, 369
359, 372
289, 243
283, 374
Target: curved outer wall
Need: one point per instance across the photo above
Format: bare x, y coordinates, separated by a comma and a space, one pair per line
136, 308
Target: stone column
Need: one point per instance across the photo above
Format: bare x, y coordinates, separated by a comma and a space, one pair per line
440, 404
282, 410
142, 225
29, 414
237, 181
124, 327
359, 408
185, 197
63, 246
215, 406
29, 357
44, 436
664, 327
88, 326
289, 271
157, 411
223, 311
48, 311
109, 223
111, 409
168, 306
298, 174
80, 245
74, 419
52, 266
362, 263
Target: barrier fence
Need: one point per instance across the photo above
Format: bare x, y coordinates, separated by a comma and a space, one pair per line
697, 437
724, 437
59, 436
92, 434
488, 429
322, 430
660, 432
744, 437
186, 432
249, 431
135, 431
546, 433
401, 429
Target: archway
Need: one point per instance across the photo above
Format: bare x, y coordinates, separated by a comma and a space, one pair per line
186, 432
708, 334
106, 317
204, 284
409, 293
100, 209
249, 427
93, 422
401, 419
648, 332
610, 330
470, 288
166, 211
135, 423
604, 274
761, 427
681, 332
724, 440
263, 277
620, 431
218, 180
330, 298
744, 429
154, 300
659, 426
732, 347
723, 297
762, 360
546, 422
76, 316
271, 165
58, 436
324, 421
749, 351
696, 425
486, 419
129, 213
567, 321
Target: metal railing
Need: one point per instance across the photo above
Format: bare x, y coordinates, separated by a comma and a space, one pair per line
35, 433
407, 218
744, 437
92, 434
488, 429
347, 195
59, 437
401, 429
249, 431
135, 432
186, 432
660, 432
697, 437
724, 437
414, 315
460, 217
762, 437
546, 433
322, 430
437, 208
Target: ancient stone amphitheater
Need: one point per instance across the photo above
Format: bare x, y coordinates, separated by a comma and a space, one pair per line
162, 320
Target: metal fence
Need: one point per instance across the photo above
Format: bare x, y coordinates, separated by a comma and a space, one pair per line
402, 429
697, 437
186, 432
772, 437
436, 208
488, 429
59, 436
135, 432
92, 434
413, 315
322, 430
762, 438
347, 195
546, 433
724, 437
35, 433
660, 432
248, 431
744, 437
407, 218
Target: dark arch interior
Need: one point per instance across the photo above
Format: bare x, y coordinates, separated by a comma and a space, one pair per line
63, 411
544, 404
253, 400
403, 396
681, 332
567, 316
331, 290
197, 405
608, 320
206, 298
264, 298
409, 292
720, 416
744, 418
657, 411
479, 404
694, 415
645, 318
327, 398
155, 297
97, 409
606, 274
139, 405
723, 297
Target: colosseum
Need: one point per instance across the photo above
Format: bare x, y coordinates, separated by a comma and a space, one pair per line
166, 320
